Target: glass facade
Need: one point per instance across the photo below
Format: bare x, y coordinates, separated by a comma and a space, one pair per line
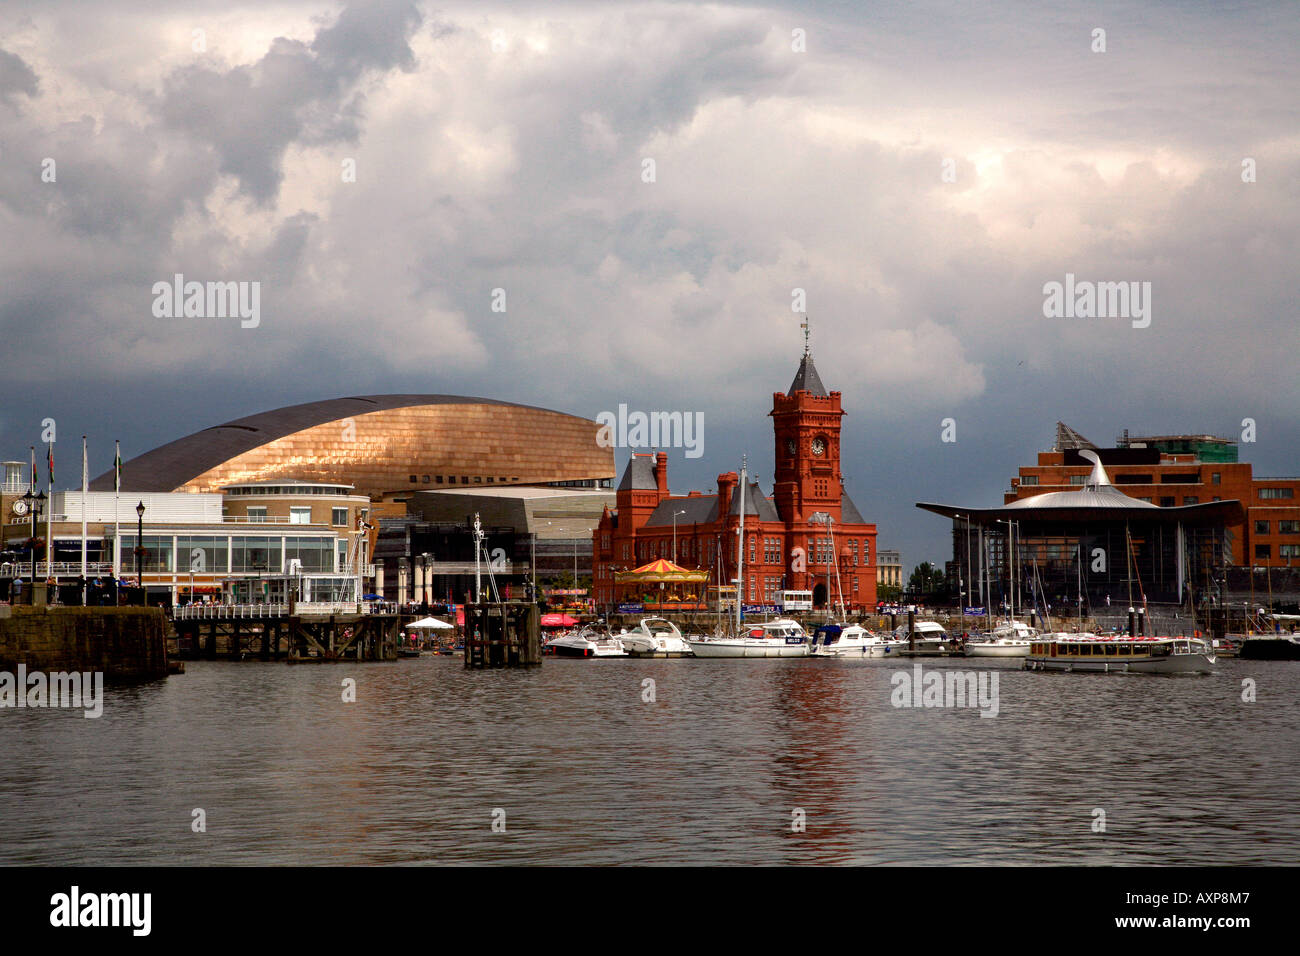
203, 554
250, 553
316, 554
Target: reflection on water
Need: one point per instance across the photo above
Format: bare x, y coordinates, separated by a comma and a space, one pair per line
711, 772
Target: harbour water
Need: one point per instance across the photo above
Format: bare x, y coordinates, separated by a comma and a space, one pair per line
715, 770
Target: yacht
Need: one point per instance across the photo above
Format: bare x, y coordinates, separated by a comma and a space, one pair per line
1009, 639
778, 638
588, 641
852, 640
931, 639
654, 637
1123, 654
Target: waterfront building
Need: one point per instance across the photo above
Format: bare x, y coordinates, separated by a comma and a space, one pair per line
789, 543
236, 545
530, 533
1179, 470
889, 569
1090, 545
381, 444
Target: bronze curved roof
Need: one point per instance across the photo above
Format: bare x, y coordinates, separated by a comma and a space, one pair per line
179, 463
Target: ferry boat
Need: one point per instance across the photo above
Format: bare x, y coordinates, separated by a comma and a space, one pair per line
778, 638
589, 641
1009, 639
1123, 654
852, 640
654, 637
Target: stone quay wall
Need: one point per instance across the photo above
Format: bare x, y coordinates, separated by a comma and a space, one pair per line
126, 643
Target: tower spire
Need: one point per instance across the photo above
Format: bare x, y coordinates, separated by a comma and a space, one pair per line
806, 332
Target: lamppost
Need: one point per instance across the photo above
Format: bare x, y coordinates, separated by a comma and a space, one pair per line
139, 548
675, 514
35, 505
426, 590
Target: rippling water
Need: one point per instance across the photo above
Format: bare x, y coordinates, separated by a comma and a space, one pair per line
712, 772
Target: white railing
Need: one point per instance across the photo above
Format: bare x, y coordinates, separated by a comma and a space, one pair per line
60, 569
216, 611
210, 612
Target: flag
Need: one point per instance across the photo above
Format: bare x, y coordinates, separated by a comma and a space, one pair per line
85, 466
49, 460
33, 469
117, 466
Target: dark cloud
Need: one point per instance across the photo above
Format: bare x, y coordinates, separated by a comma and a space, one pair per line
16, 77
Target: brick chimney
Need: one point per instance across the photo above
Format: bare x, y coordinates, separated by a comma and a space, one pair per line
661, 473
726, 484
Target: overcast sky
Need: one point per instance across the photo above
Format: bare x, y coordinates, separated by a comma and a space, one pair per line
503, 146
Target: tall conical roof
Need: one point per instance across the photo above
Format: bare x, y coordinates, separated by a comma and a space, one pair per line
807, 379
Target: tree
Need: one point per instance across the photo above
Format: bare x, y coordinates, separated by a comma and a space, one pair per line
926, 579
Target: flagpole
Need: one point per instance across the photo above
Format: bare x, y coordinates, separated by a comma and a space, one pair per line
49, 517
117, 488
85, 490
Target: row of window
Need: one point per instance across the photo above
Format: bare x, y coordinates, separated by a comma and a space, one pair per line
335, 490
464, 479
819, 550
1265, 551
298, 514
211, 554
1283, 527
1176, 478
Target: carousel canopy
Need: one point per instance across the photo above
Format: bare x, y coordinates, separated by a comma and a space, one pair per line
662, 570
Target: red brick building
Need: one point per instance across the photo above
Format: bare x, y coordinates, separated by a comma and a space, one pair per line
1176, 470
787, 547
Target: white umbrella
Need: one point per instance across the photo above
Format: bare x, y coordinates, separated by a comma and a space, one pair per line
428, 622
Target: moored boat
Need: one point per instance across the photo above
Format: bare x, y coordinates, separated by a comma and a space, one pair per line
1009, 639
588, 641
778, 638
654, 637
931, 640
1144, 655
852, 640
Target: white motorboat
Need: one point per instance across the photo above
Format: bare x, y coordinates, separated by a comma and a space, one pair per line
931, 639
589, 641
778, 638
1143, 655
1009, 639
654, 637
852, 640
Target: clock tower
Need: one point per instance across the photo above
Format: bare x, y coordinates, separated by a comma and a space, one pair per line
806, 423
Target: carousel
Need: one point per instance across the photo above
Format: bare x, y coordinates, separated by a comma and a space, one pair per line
662, 586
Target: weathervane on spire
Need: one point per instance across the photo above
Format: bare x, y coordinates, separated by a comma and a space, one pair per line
804, 325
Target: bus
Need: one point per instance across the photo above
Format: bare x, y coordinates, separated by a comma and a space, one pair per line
796, 600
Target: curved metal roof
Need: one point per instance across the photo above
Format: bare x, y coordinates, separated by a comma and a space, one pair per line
170, 466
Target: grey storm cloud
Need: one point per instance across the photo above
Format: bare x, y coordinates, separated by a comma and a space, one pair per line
15, 77
249, 115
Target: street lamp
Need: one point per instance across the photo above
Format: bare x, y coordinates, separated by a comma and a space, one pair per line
426, 591
35, 505
675, 514
139, 545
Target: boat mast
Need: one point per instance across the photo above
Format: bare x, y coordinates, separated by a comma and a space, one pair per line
740, 542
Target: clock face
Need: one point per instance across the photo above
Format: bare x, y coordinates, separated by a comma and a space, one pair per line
789, 446
818, 447
20, 507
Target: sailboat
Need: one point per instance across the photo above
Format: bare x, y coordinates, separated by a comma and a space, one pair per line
1011, 638
782, 637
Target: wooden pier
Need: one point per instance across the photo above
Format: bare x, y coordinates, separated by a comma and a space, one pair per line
508, 634
276, 632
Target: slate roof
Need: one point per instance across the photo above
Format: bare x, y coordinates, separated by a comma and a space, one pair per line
639, 475
807, 379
